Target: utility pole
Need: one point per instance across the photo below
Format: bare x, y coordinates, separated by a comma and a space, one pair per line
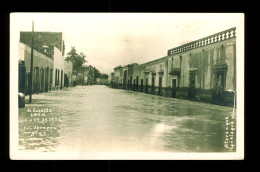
31, 69
83, 75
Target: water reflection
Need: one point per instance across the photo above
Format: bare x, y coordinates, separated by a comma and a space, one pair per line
98, 118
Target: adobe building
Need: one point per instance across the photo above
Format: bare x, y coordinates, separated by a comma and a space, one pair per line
42, 72
51, 71
202, 70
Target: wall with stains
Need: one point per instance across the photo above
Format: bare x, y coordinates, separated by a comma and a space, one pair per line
42, 65
59, 66
203, 70
204, 62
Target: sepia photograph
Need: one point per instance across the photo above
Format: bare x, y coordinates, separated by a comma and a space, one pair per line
126, 86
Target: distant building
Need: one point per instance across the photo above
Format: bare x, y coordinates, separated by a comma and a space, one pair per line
89, 75
50, 70
111, 79
101, 81
68, 70
118, 77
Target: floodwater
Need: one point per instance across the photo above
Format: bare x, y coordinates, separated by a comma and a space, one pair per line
101, 119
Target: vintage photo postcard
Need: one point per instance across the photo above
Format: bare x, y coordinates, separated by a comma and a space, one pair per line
127, 86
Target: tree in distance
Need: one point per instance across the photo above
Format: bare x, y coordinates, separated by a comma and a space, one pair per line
76, 59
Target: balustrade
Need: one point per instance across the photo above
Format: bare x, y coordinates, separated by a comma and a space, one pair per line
221, 36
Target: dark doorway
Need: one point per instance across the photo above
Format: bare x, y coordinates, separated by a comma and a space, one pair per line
22, 77
192, 92
218, 92
124, 80
134, 85
174, 88
153, 89
128, 84
36, 81
131, 88
137, 83
46, 87
51, 79
66, 80
142, 85
42, 81
146, 85
56, 77
61, 79
160, 86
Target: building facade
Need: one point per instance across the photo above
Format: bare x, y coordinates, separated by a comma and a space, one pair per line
68, 70
88, 75
101, 81
202, 70
111, 80
118, 77
50, 70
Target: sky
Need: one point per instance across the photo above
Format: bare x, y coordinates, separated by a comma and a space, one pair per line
112, 39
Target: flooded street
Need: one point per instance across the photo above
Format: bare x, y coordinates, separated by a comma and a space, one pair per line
100, 119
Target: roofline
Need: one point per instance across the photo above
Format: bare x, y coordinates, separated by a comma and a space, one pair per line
205, 41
